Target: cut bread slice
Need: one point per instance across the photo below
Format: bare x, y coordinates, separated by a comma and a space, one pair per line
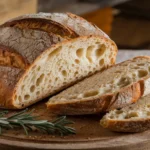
133, 118
116, 87
51, 69
64, 24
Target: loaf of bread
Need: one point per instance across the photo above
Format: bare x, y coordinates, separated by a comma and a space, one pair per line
40, 57
133, 118
115, 87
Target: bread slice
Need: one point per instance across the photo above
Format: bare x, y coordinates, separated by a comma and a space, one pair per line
53, 65
133, 118
64, 24
116, 87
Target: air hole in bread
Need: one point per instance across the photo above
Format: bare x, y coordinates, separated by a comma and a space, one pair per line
118, 71
54, 52
64, 73
77, 61
134, 75
76, 73
80, 52
131, 115
142, 73
26, 97
89, 53
107, 89
56, 79
90, 93
39, 80
38, 69
112, 117
112, 60
32, 88
98, 43
124, 81
148, 113
22, 88
100, 51
38, 92
135, 67
119, 112
19, 98
148, 106
90, 73
149, 68
101, 62
141, 64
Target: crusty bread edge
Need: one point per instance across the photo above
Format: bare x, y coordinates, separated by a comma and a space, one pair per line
127, 125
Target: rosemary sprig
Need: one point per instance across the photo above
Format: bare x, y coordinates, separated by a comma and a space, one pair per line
28, 122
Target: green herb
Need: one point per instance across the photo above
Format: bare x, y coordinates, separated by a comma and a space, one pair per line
28, 122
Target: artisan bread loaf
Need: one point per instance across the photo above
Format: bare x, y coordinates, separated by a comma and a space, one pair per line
133, 118
64, 24
116, 87
53, 64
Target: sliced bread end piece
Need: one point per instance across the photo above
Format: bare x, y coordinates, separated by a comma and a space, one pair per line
133, 118
116, 87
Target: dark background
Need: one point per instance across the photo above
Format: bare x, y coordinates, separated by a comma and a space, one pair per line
127, 22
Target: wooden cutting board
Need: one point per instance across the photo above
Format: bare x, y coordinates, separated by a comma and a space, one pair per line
90, 135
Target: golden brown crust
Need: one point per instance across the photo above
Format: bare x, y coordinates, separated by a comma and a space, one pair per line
126, 125
10, 57
43, 24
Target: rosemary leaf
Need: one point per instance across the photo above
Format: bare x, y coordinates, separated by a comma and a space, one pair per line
28, 122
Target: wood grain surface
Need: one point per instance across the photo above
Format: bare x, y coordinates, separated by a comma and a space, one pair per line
90, 135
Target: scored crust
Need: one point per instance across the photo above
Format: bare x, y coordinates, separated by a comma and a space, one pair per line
44, 24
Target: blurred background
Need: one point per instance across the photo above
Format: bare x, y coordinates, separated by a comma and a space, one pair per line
127, 22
